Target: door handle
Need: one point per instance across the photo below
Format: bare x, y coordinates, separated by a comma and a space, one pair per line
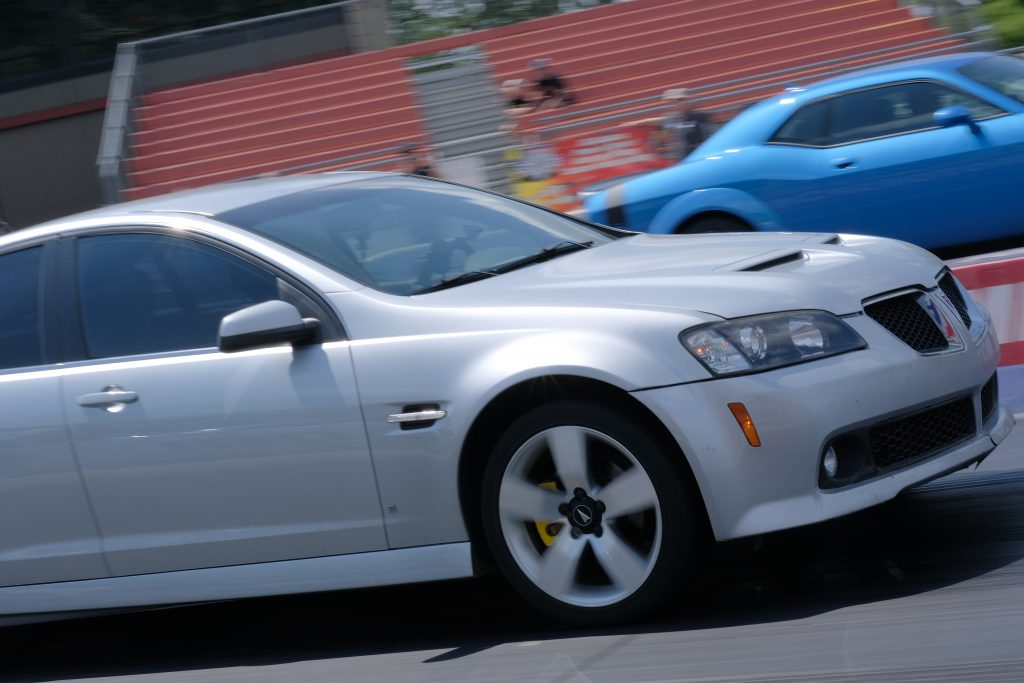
843, 162
112, 399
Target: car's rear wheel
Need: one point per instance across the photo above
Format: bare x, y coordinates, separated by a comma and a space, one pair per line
589, 516
714, 223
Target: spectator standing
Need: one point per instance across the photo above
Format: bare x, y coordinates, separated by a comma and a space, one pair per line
680, 130
683, 128
550, 88
4, 227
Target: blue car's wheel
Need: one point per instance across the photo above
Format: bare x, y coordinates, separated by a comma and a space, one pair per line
714, 224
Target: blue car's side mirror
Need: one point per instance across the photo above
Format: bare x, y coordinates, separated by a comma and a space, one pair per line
955, 116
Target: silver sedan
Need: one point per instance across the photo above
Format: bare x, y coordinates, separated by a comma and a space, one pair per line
346, 380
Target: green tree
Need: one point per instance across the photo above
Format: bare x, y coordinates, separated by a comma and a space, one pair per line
1007, 17
416, 20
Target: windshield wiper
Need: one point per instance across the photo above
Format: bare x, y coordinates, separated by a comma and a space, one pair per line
455, 281
545, 254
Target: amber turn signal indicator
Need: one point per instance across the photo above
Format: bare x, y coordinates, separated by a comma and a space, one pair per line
739, 411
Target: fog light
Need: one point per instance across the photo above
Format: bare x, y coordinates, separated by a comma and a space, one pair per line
830, 463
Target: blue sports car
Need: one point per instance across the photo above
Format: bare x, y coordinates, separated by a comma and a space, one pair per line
929, 151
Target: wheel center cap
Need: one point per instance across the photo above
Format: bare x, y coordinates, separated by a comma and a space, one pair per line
582, 515
585, 514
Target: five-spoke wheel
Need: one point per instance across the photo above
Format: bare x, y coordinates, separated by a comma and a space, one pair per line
586, 513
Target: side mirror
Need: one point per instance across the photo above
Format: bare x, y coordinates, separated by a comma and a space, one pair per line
266, 324
955, 116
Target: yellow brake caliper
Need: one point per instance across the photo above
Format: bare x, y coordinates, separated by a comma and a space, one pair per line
546, 528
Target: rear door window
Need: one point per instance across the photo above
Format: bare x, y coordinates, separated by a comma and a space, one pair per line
807, 127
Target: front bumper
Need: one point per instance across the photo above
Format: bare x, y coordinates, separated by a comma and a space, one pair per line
799, 410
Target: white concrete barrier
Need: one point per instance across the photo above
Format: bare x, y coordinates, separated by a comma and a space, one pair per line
996, 281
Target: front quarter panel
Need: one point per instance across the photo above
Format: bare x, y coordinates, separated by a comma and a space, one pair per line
462, 371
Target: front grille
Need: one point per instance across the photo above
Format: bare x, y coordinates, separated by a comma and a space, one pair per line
948, 286
989, 398
908, 439
905, 318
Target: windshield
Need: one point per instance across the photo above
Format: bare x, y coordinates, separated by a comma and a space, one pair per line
405, 235
1002, 74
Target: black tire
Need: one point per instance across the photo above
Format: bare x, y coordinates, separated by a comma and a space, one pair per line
678, 517
713, 224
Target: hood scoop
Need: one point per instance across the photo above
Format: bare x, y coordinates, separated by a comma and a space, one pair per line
772, 259
779, 257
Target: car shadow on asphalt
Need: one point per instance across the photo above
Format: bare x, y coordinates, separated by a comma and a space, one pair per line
950, 531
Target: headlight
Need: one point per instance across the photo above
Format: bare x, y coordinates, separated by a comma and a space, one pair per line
765, 342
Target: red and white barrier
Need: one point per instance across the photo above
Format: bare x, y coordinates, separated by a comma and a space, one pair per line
996, 281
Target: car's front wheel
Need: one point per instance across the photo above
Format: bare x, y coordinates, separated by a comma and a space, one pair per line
589, 516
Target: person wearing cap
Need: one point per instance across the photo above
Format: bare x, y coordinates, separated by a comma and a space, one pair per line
549, 86
684, 127
681, 129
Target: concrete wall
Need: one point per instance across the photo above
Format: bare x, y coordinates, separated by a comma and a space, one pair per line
51, 96
243, 52
49, 133
368, 25
48, 169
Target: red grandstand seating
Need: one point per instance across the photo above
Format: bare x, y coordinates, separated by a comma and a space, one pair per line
352, 111
751, 45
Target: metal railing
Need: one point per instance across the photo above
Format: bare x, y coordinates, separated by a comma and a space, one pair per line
565, 122
352, 162
560, 122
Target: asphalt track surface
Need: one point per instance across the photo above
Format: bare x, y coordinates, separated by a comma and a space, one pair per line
927, 588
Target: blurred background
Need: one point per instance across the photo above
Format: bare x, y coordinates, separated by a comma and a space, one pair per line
106, 100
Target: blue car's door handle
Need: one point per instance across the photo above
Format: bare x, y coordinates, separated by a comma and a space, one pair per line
843, 162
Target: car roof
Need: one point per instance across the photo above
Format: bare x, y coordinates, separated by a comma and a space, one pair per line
211, 200
888, 72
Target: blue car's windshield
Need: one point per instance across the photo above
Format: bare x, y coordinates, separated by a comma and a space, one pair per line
1003, 74
405, 235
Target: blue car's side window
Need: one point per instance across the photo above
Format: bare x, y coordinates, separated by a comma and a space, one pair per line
897, 109
980, 109
807, 127
874, 113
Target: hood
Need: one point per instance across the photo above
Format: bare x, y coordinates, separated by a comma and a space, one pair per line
726, 275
